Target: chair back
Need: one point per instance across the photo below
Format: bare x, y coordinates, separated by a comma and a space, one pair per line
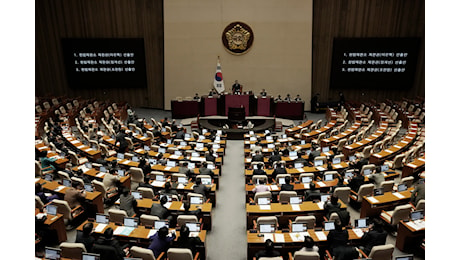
341, 144
263, 194
407, 180
191, 194
420, 205
147, 193
267, 220
382, 252
398, 161
286, 195
39, 203
63, 208
182, 219
99, 186
137, 175
38, 169
144, 253
279, 176
365, 190
367, 167
105, 251
179, 254
72, 250
148, 220
305, 255
117, 215
387, 186
401, 212
367, 151
255, 177
78, 180
343, 193
309, 220
322, 158
63, 175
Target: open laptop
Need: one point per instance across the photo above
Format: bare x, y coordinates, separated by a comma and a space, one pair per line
328, 177
120, 156
194, 227
269, 138
121, 173
206, 181
416, 215
349, 174
306, 179
199, 145
404, 257
298, 165
216, 146
281, 181
146, 148
298, 227
318, 162
51, 209
182, 180
191, 165
384, 167
89, 256
252, 138
270, 146
402, 187
137, 195
183, 143
325, 197
292, 154
263, 201
187, 136
336, 160
88, 165
367, 172
295, 200
171, 164
130, 222
66, 182
169, 197
267, 132
329, 225
88, 187
302, 142
361, 223
177, 153
153, 161
210, 166
378, 192
52, 253
159, 177
195, 154
196, 200
160, 223
102, 169
267, 228
135, 159
325, 149
162, 150
49, 177
351, 158
102, 219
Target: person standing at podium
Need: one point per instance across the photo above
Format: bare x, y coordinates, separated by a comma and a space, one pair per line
236, 88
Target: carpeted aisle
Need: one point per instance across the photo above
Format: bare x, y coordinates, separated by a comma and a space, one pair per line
227, 240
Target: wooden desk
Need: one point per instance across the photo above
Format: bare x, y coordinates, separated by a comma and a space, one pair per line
296, 129
56, 223
387, 201
409, 238
60, 162
89, 152
414, 167
95, 174
189, 188
95, 197
373, 138
287, 244
315, 133
347, 133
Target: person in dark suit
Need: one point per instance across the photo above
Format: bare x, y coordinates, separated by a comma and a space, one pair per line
332, 206
109, 240
287, 186
168, 191
180, 133
205, 170
236, 88
275, 157
314, 103
187, 210
127, 202
374, 237
268, 251
259, 170
258, 157
209, 157
312, 193
201, 188
313, 154
183, 169
337, 238
75, 195
85, 237
279, 169
123, 144
160, 210
185, 241
356, 181
160, 242
419, 193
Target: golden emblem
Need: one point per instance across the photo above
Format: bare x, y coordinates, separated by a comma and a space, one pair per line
237, 38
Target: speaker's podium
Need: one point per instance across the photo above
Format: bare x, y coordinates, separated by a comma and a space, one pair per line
236, 115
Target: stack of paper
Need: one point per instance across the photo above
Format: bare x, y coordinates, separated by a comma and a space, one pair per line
358, 232
279, 238
74, 141
321, 168
399, 195
81, 146
138, 150
60, 187
295, 207
268, 236
151, 233
418, 225
126, 162
320, 205
167, 168
321, 184
264, 207
126, 231
300, 170
372, 199
99, 228
100, 175
321, 236
167, 205
273, 187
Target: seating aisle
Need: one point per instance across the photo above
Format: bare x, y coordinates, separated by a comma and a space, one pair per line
228, 237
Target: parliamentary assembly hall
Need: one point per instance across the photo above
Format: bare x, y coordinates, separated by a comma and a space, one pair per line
231, 129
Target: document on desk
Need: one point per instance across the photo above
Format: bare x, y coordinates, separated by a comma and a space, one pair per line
295, 207
138, 150
268, 236
126, 231
358, 232
397, 146
306, 185
373, 200
348, 147
167, 205
99, 228
412, 165
299, 236
118, 230
388, 151
417, 225
180, 186
321, 236
81, 146
100, 175
158, 183
321, 184
279, 238
88, 150
174, 156
300, 170
151, 232
273, 187
422, 159
320, 168
74, 141
167, 168
377, 155
367, 139
404, 142
264, 207
320, 205
194, 234
182, 207
60, 187
126, 162
399, 195
37, 179
359, 143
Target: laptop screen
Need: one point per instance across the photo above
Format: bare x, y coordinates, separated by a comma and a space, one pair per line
405, 257
159, 177
299, 227
269, 138
284, 136
204, 131
215, 146
191, 165
135, 159
263, 201
328, 177
88, 165
298, 165
52, 253
51, 209
66, 182
177, 153
210, 166
49, 177
266, 228
153, 161
182, 180
194, 227
302, 142
169, 141
102, 169
367, 172
183, 143
206, 181
196, 200
351, 158
361, 223
292, 154
160, 223
195, 154
318, 162
146, 148
324, 198
402, 187
137, 195
325, 149
199, 145
270, 146
130, 222
295, 200
378, 192
329, 225
187, 136
336, 160
416, 215
384, 167
161, 150
89, 256
349, 174
171, 164
306, 179
102, 219
217, 139
121, 173
88, 187
120, 156
281, 180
